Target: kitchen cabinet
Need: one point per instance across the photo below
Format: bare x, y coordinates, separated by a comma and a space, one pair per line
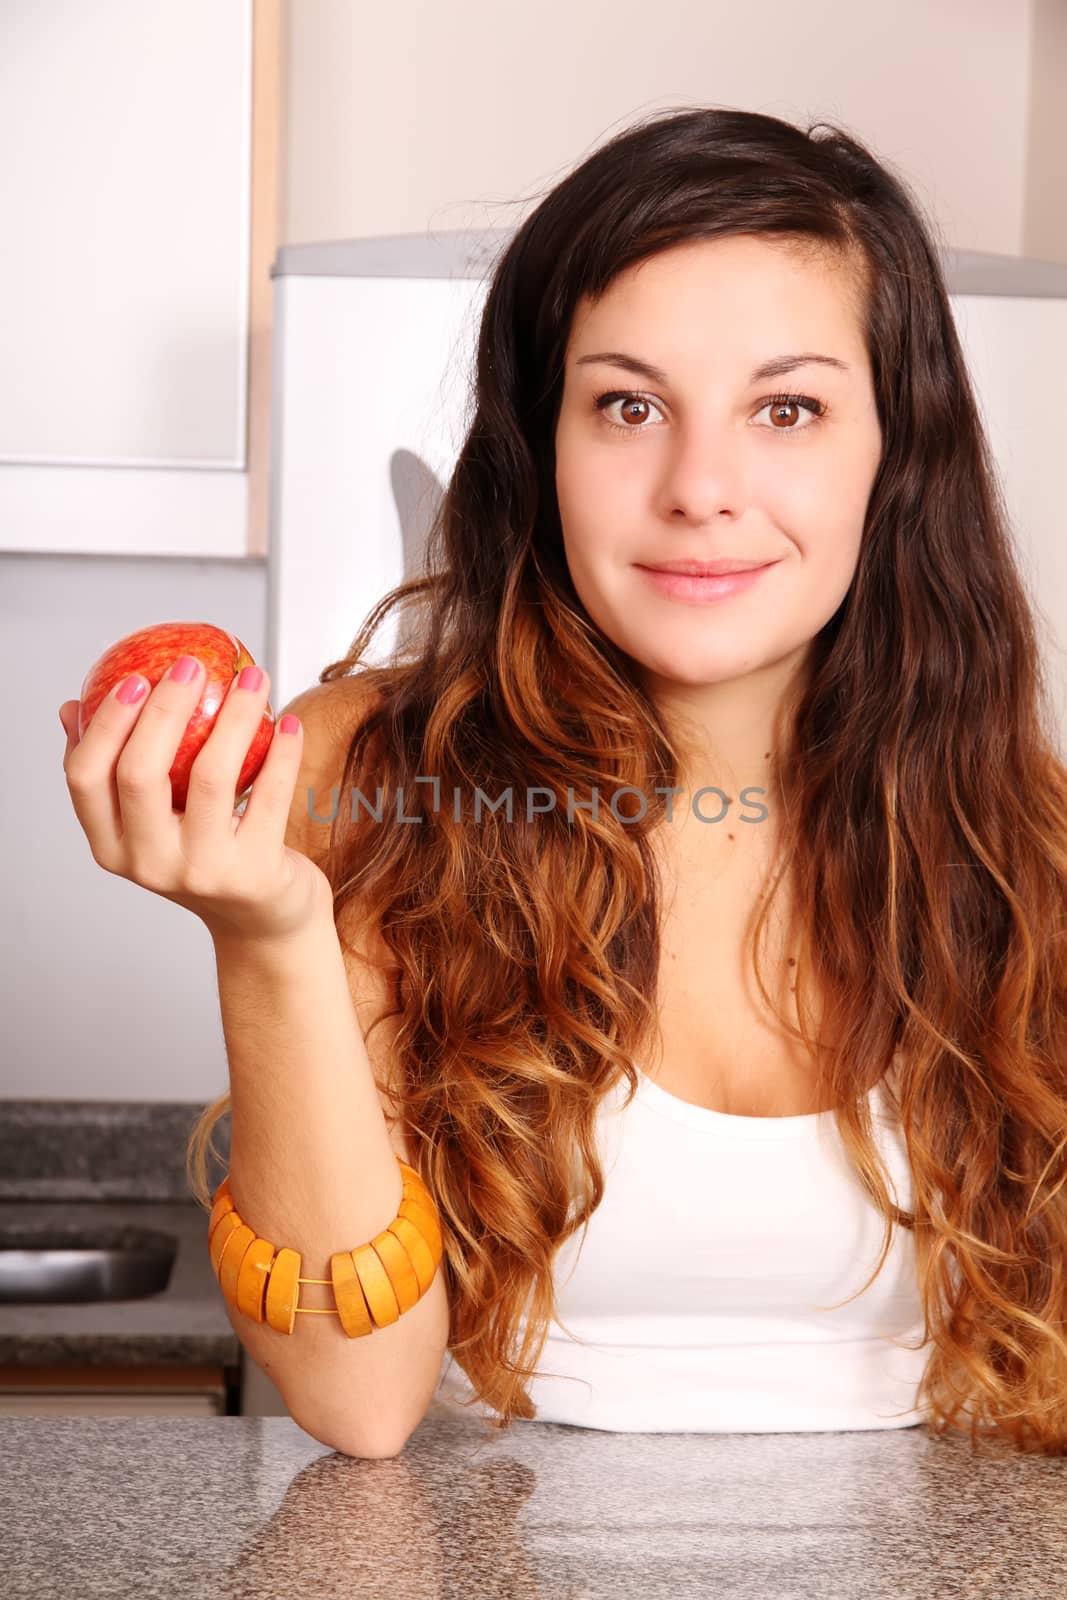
140, 218
140, 1391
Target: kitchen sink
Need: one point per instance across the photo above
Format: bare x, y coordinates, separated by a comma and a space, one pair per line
52, 1264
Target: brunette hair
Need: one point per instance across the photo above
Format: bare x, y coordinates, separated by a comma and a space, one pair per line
923, 817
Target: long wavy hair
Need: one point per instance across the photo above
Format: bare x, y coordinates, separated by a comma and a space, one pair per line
924, 806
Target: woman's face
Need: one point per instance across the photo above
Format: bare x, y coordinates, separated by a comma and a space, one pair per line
700, 465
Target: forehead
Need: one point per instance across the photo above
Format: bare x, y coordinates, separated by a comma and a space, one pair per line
743, 294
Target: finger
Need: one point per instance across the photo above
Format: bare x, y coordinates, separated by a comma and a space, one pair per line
68, 717
150, 826
89, 764
209, 823
266, 815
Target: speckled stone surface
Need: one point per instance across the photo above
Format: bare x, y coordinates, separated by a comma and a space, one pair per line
54, 1150
253, 1508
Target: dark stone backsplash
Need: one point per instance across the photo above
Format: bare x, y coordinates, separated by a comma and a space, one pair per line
102, 1149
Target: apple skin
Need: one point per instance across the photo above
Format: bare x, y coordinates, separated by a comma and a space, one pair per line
152, 652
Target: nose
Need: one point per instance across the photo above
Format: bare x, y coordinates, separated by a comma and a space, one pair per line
704, 475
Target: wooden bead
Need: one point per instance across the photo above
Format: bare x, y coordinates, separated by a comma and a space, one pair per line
426, 1223
348, 1296
398, 1264
416, 1191
419, 1195
226, 1225
252, 1278
414, 1186
417, 1248
223, 1204
230, 1260
380, 1295
283, 1291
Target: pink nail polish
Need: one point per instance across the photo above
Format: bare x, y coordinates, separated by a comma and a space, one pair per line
185, 669
131, 690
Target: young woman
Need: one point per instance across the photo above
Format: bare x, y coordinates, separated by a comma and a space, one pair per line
732, 1051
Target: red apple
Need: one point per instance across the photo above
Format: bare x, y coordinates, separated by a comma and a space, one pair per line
152, 652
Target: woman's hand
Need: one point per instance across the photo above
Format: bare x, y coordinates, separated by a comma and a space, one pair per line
233, 870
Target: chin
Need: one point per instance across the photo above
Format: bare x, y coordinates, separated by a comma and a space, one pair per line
695, 674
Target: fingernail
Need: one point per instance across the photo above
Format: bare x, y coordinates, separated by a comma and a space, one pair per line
131, 690
249, 678
185, 669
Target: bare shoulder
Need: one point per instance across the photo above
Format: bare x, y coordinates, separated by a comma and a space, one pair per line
340, 700
330, 713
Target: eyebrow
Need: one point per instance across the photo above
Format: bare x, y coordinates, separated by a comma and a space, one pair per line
775, 368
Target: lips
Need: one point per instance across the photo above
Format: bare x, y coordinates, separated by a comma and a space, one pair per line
703, 569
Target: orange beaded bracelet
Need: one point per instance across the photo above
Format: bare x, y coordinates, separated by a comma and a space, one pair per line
373, 1284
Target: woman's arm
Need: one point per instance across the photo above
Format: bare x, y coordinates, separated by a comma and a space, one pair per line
312, 1162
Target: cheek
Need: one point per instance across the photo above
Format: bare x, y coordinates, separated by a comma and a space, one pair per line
588, 501
589, 468
589, 550
568, 494
824, 507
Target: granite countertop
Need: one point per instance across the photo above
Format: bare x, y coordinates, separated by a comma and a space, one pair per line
253, 1507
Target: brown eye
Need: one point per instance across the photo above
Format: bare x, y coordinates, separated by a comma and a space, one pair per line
786, 408
630, 404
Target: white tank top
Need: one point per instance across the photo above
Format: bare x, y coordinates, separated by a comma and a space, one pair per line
691, 1304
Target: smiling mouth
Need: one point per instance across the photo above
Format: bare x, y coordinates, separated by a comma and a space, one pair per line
703, 569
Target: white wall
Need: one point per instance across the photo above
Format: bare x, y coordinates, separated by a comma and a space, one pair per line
408, 116
108, 992
423, 116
